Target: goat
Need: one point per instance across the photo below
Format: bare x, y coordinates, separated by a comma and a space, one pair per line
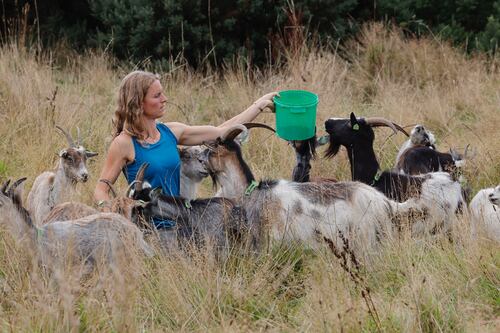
192, 171
485, 212
422, 159
305, 151
419, 136
215, 221
297, 211
436, 192
86, 240
418, 155
51, 187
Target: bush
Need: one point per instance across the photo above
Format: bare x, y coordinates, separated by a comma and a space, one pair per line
218, 31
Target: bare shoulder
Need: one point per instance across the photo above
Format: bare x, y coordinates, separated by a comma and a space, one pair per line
122, 146
176, 128
122, 139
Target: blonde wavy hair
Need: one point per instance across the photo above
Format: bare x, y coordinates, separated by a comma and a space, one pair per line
133, 90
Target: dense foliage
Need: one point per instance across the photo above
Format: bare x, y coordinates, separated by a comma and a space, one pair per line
258, 30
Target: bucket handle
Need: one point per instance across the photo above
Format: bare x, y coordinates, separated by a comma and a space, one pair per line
298, 110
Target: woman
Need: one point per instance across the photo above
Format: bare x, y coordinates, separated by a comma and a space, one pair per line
140, 138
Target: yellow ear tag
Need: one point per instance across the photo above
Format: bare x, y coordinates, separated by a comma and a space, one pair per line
355, 127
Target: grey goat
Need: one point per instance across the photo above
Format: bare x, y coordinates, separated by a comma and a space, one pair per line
193, 171
218, 222
97, 238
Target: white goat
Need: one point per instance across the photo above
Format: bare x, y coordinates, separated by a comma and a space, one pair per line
299, 211
485, 212
53, 187
419, 135
97, 238
193, 171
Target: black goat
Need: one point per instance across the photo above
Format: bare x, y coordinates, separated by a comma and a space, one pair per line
422, 159
305, 151
438, 190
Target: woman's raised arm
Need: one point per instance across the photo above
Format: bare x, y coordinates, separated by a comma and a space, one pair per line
195, 135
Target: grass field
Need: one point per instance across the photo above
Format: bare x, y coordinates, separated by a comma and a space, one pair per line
410, 285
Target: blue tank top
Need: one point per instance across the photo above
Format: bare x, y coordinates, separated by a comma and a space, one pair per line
164, 165
164, 162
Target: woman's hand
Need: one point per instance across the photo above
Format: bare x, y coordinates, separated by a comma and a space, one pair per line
266, 101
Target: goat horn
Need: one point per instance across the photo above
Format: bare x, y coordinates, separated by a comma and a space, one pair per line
379, 121
17, 183
129, 188
78, 139
68, 137
139, 177
4, 186
232, 132
13, 187
259, 125
467, 152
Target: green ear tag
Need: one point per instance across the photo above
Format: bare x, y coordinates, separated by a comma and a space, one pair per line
251, 187
355, 127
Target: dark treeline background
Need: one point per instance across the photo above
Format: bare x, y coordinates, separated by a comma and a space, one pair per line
216, 31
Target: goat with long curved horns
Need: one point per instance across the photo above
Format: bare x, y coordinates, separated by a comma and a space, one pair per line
437, 192
291, 211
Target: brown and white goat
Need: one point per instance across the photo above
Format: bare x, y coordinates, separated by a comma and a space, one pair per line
97, 238
53, 187
292, 211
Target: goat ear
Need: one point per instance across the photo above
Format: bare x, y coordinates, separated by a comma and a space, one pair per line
455, 155
354, 122
242, 137
63, 153
155, 193
90, 154
182, 152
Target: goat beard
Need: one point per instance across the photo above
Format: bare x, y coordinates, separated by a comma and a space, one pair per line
332, 150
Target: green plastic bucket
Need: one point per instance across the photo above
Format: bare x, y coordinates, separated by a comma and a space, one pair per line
295, 114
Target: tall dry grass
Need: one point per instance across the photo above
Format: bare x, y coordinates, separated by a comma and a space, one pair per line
425, 285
